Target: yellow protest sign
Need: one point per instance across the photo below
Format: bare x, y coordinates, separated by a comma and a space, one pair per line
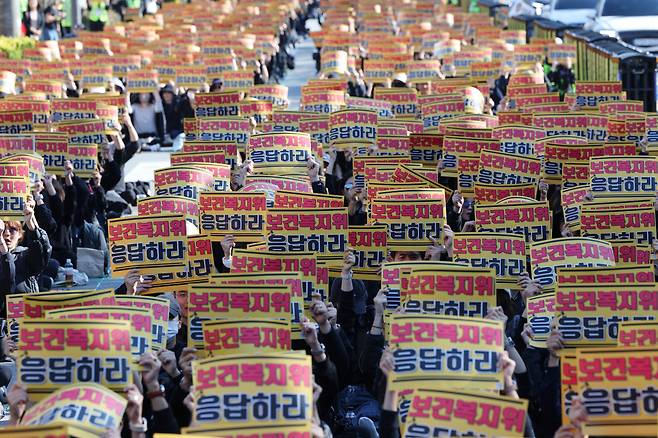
264, 279
546, 257
353, 125
434, 412
611, 275
191, 76
187, 181
619, 222
72, 109
540, 313
233, 336
532, 219
54, 150
589, 315
404, 102
506, 253
424, 70
451, 290
52, 430
238, 80
230, 301
200, 265
15, 122
280, 152
411, 223
224, 104
461, 352
290, 429
219, 129
628, 253
316, 230
289, 199
155, 205
38, 305
274, 93
216, 160
159, 311
53, 354
84, 158
305, 264
151, 244
605, 377
283, 379
368, 244
492, 193
232, 213
435, 114
13, 195
620, 176
559, 151
568, 381
289, 121
426, 148
141, 322
87, 132
518, 139
393, 279
92, 408
33, 159
572, 199
502, 168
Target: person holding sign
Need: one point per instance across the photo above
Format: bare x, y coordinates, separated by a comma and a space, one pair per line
24, 252
147, 117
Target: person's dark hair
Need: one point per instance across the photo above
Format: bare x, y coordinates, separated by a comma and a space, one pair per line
344, 164
18, 226
396, 83
419, 254
134, 99
554, 197
59, 188
558, 220
216, 85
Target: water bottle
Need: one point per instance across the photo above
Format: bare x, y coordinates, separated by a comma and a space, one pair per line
68, 273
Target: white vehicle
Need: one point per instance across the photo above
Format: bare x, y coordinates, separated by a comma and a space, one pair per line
569, 11
633, 21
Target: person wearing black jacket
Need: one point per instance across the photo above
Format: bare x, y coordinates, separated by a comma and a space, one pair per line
24, 253
60, 201
175, 109
33, 19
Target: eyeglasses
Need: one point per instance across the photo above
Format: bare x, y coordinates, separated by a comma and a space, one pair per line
12, 230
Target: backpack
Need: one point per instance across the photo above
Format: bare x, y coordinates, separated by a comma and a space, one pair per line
354, 402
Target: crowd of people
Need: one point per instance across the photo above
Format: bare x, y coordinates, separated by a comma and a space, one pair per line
347, 331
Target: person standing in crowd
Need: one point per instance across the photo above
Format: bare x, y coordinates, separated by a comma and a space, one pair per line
175, 108
98, 15
66, 23
33, 19
52, 19
148, 120
24, 253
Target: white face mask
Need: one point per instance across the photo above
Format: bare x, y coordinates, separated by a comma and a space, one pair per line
172, 328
